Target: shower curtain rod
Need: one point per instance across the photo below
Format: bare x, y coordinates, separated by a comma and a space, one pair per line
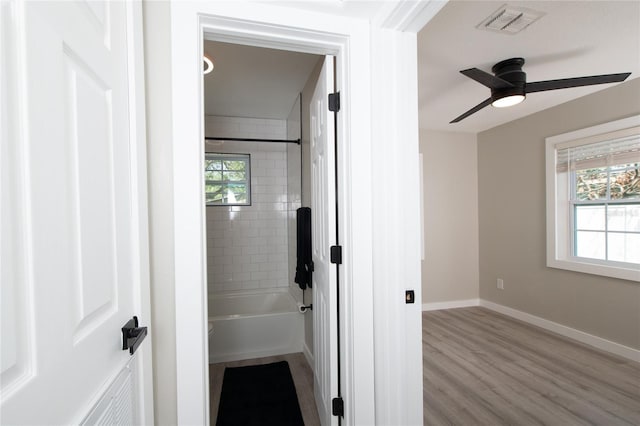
296, 141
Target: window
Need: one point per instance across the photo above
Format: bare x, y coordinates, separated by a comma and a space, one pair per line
593, 200
227, 179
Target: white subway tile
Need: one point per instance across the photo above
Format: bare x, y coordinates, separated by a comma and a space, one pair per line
277, 275
276, 155
214, 251
247, 245
251, 267
268, 283
234, 251
250, 250
260, 275
258, 258
275, 172
266, 232
276, 258
241, 276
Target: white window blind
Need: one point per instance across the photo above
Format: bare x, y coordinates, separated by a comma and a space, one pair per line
609, 152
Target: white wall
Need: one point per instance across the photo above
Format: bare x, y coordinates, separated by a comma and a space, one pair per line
247, 245
450, 203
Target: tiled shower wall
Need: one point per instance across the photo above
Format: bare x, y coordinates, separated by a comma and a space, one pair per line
247, 245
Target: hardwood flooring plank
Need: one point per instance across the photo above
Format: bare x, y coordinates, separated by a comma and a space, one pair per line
484, 368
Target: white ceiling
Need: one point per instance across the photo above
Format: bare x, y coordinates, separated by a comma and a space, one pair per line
254, 82
572, 39
362, 9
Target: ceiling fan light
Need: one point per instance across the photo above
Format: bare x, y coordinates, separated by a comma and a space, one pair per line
508, 101
208, 65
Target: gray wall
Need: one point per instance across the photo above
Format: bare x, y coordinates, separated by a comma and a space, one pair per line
450, 210
511, 171
157, 56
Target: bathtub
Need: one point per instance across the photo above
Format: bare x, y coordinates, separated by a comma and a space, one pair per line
254, 324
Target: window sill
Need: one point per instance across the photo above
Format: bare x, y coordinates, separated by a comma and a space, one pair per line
630, 273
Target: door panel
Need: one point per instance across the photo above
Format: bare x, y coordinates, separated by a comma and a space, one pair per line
324, 230
89, 113
16, 316
67, 208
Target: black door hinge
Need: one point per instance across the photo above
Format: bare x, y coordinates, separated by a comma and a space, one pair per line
337, 407
334, 102
336, 255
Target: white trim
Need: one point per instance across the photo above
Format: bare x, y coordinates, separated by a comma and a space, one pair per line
408, 15
563, 330
396, 243
308, 354
140, 211
421, 162
192, 357
572, 333
451, 304
270, 27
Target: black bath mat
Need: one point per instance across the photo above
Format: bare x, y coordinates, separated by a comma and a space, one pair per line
259, 395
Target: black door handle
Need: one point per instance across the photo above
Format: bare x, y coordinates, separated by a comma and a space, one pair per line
132, 335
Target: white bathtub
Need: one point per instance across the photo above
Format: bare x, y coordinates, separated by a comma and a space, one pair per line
254, 324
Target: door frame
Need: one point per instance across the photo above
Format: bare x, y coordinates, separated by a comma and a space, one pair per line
140, 211
350, 41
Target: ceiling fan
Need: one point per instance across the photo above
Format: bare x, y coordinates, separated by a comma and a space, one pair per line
509, 85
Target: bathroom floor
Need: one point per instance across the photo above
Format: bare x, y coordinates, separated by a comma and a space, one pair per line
302, 377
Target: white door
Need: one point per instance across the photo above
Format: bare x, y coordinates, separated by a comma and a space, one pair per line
72, 265
323, 216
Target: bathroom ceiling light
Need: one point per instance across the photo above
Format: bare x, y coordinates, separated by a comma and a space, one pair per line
208, 65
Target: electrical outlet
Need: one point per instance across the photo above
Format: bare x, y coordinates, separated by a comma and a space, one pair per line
500, 284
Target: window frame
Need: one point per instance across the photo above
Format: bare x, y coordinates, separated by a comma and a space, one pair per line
247, 181
561, 209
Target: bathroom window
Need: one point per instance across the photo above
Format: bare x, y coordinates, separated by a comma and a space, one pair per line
227, 179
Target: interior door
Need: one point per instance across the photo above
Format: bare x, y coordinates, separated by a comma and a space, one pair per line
72, 269
323, 205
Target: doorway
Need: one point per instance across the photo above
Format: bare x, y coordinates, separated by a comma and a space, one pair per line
259, 151
348, 41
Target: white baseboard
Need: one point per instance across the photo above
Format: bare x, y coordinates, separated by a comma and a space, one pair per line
436, 306
307, 354
572, 333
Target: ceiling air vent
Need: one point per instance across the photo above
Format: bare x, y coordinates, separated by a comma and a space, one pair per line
510, 19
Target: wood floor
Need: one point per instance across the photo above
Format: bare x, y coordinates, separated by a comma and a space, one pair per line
483, 368
302, 378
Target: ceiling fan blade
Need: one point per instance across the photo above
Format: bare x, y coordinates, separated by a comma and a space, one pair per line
475, 109
565, 83
491, 81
